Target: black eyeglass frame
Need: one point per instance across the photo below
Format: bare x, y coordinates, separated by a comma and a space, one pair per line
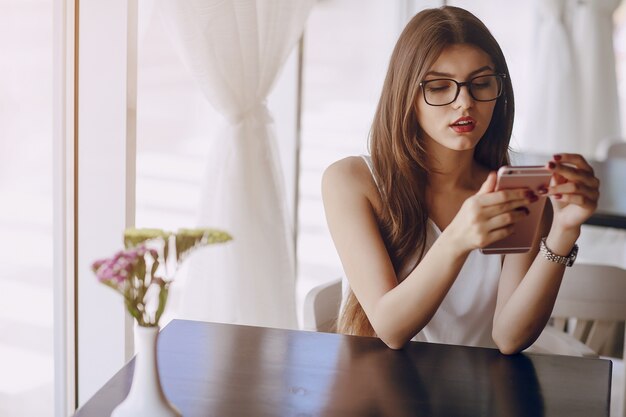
459, 85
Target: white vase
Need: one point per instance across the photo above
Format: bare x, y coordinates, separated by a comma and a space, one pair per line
146, 397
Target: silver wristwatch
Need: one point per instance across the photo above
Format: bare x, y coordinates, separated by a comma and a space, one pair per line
553, 257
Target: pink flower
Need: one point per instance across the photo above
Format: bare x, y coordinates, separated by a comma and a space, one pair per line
136, 271
97, 264
120, 267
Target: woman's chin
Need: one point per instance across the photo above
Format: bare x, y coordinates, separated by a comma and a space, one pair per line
461, 144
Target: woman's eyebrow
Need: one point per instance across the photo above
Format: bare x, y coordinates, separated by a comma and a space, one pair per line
445, 74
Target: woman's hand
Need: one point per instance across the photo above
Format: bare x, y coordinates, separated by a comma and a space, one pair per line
573, 191
489, 215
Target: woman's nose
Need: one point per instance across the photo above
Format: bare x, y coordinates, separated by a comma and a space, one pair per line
464, 99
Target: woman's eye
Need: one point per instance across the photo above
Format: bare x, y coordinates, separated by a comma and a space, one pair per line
481, 85
437, 87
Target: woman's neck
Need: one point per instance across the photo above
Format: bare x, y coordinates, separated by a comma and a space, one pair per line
454, 170
452, 178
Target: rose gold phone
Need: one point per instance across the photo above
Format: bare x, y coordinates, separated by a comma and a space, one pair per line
533, 178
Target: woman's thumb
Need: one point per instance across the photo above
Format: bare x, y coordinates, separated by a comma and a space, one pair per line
489, 185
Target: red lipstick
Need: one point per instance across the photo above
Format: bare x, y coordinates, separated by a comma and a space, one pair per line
463, 124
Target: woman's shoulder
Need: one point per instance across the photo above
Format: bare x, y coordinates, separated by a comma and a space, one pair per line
349, 175
352, 167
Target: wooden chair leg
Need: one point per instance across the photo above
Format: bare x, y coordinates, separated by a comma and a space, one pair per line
598, 334
581, 329
559, 323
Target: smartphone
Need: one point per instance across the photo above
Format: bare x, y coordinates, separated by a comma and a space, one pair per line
525, 232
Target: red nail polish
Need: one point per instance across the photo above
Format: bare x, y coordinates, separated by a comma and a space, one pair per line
558, 196
542, 190
557, 157
551, 165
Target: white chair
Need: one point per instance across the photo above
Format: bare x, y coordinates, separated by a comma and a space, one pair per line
596, 295
321, 307
611, 148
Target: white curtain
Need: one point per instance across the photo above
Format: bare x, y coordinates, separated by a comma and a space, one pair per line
573, 101
235, 50
552, 121
592, 31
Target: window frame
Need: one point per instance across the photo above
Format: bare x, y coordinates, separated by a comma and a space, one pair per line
64, 40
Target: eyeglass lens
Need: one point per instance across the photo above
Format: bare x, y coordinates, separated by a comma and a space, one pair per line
444, 91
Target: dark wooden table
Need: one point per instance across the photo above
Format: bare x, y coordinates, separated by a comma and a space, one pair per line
226, 370
611, 210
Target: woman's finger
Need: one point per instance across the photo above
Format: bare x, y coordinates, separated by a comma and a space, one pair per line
573, 158
498, 234
505, 196
518, 204
572, 174
591, 193
506, 219
489, 185
577, 199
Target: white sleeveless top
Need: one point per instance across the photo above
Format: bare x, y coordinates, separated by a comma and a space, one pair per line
465, 316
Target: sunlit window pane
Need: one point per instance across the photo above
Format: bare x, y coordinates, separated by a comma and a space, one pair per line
344, 68
26, 348
174, 124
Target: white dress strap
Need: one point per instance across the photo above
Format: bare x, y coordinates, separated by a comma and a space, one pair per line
370, 165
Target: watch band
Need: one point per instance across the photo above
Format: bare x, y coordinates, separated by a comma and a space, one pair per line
553, 257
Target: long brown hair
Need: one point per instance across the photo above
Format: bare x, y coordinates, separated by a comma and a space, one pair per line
399, 159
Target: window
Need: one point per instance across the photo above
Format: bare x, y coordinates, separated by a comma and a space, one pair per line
343, 72
174, 125
26, 285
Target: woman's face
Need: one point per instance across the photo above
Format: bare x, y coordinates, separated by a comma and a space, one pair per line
460, 124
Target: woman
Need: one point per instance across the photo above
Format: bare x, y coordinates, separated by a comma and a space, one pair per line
408, 222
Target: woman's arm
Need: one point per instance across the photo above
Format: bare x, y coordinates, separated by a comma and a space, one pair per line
529, 283
399, 311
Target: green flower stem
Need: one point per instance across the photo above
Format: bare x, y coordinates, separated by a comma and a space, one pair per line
140, 243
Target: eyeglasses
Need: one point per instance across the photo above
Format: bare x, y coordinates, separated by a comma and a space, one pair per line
443, 91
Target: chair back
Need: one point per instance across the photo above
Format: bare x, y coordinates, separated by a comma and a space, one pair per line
592, 292
595, 295
321, 307
611, 148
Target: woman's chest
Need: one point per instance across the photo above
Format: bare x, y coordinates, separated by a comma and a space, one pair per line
444, 206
